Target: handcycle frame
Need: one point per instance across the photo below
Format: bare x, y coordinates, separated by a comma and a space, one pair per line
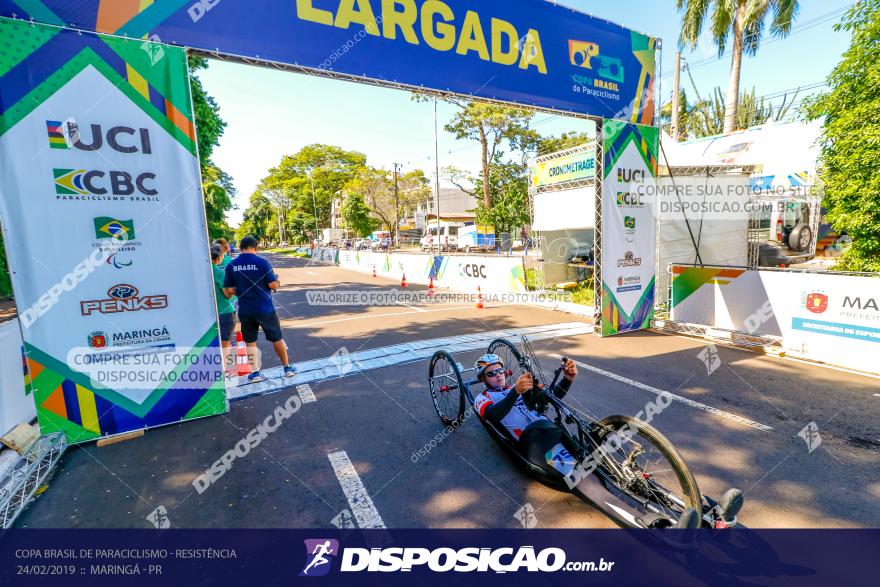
588, 444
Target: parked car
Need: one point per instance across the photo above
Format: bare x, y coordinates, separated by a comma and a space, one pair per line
382, 244
784, 233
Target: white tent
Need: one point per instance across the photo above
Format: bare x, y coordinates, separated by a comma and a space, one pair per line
785, 155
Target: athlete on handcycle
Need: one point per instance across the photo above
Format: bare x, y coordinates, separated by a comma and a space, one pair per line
540, 441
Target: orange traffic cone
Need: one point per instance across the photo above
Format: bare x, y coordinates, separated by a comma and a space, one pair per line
242, 365
480, 305
403, 281
431, 287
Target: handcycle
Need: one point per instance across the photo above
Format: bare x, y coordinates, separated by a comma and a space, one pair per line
625, 467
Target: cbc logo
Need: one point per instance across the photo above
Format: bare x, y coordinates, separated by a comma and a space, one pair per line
472, 270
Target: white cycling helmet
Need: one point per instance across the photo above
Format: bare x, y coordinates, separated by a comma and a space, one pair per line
485, 361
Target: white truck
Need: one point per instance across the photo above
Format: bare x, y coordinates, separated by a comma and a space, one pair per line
476, 238
446, 239
332, 236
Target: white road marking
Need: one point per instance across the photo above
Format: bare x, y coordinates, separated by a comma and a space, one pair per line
311, 272
678, 398
399, 354
298, 324
365, 513
305, 393
413, 307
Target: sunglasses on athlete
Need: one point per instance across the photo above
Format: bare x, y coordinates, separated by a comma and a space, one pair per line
494, 372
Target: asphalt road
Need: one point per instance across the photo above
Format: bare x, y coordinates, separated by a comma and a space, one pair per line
379, 420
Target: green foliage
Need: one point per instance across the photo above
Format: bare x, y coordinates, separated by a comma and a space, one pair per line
749, 17
376, 188
510, 205
357, 216
493, 127
705, 118
850, 111
745, 21
216, 184
562, 142
289, 185
5, 284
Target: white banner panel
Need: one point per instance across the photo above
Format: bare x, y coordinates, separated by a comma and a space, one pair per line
566, 209
15, 406
458, 272
629, 230
104, 224
824, 316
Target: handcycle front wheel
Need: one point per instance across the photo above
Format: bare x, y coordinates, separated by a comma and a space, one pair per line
513, 365
642, 462
447, 388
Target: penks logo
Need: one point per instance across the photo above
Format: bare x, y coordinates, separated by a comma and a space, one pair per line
319, 557
107, 227
81, 182
123, 298
816, 302
586, 55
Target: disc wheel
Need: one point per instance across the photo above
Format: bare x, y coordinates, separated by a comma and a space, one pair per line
447, 388
642, 462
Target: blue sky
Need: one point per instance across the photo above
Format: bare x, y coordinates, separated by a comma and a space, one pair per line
272, 113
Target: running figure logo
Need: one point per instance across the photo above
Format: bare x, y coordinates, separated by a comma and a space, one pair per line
319, 555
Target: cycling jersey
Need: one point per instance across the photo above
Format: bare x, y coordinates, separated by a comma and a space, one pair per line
516, 419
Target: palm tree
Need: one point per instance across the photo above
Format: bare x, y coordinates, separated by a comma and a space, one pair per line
746, 20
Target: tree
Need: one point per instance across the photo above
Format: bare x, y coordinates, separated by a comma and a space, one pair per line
706, 118
257, 218
5, 283
510, 186
744, 20
562, 142
493, 126
849, 165
356, 216
376, 187
217, 187
218, 191
330, 167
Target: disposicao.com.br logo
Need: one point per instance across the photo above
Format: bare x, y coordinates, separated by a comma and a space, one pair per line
320, 554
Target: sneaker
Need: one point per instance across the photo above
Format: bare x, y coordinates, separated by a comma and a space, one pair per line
289, 370
255, 377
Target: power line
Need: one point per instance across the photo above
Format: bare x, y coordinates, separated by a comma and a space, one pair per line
798, 28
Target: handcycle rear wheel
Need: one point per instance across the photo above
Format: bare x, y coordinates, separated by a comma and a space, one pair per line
645, 464
447, 388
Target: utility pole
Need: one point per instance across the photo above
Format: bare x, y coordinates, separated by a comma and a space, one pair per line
314, 200
675, 96
437, 173
396, 207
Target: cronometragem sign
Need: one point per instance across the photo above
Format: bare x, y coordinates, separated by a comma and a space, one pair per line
530, 52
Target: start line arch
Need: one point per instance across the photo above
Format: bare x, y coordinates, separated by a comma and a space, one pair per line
98, 151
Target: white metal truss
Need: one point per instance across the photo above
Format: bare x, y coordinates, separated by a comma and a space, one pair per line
597, 233
29, 473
